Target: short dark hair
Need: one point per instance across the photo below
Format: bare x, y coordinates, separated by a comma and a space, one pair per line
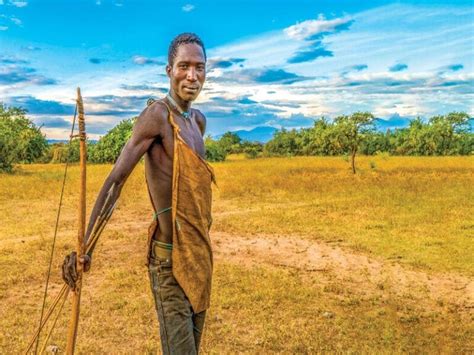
180, 39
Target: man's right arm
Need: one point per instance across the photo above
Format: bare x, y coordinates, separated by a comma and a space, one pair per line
146, 129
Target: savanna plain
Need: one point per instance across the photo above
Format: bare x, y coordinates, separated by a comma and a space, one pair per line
308, 258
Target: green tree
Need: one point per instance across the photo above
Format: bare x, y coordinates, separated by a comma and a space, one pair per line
251, 149
108, 148
351, 131
214, 151
374, 142
283, 143
441, 135
21, 141
230, 142
322, 139
447, 130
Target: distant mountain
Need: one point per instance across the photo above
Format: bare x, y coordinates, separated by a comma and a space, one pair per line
260, 134
395, 121
55, 141
66, 141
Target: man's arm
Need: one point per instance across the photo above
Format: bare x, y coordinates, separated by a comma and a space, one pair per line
145, 131
201, 121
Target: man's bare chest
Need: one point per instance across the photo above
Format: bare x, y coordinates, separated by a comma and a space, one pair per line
189, 134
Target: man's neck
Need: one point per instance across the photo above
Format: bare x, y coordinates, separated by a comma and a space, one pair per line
184, 105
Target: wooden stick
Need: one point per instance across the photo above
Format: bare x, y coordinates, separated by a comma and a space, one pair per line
76, 293
43, 348
46, 317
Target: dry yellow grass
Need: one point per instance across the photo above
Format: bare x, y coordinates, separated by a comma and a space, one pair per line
412, 211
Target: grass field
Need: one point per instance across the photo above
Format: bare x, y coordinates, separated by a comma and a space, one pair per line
411, 217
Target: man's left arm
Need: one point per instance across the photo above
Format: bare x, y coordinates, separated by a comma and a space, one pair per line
201, 121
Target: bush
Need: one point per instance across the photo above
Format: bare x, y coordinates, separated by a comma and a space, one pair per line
214, 150
64, 152
441, 135
230, 142
20, 140
283, 143
251, 149
108, 148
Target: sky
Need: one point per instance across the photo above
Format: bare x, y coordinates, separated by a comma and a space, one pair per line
270, 63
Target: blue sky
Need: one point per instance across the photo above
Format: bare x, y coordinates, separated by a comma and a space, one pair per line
270, 63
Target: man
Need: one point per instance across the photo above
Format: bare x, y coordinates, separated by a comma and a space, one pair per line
170, 135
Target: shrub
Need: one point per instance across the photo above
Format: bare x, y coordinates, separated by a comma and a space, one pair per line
108, 148
21, 141
214, 151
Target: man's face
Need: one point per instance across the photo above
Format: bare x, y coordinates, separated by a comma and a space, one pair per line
188, 73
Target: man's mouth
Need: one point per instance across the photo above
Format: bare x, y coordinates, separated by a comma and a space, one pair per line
191, 88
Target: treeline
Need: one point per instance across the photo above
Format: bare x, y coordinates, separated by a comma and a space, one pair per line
354, 134
21, 141
346, 135
230, 143
106, 150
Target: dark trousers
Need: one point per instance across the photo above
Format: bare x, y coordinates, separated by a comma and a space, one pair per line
180, 327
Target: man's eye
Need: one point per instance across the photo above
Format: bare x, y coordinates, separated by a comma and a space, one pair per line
183, 66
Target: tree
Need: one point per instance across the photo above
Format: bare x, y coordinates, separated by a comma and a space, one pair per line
446, 130
108, 147
251, 149
322, 139
214, 150
230, 142
283, 143
351, 132
374, 142
441, 135
21, 141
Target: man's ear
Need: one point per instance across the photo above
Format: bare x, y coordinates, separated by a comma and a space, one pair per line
168, 70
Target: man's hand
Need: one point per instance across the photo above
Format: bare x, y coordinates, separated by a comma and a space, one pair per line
70, 270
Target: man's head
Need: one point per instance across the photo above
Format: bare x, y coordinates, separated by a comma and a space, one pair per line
186, 66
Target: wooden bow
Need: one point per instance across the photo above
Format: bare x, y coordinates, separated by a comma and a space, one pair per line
80, 248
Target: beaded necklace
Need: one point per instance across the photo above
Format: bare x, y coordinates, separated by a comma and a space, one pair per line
183, 113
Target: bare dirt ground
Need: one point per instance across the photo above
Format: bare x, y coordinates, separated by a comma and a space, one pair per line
362, 275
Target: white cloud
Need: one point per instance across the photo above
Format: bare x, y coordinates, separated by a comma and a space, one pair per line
431, 43
309, 28
255, 49
3, 28
409, 105
140, 60
32, 48
19, 3
188, 8
16, 21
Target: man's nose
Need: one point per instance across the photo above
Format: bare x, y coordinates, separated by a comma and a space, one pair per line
191, 74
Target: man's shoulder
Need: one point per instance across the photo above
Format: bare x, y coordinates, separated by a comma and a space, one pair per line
200, 120
155, 112
199, 116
